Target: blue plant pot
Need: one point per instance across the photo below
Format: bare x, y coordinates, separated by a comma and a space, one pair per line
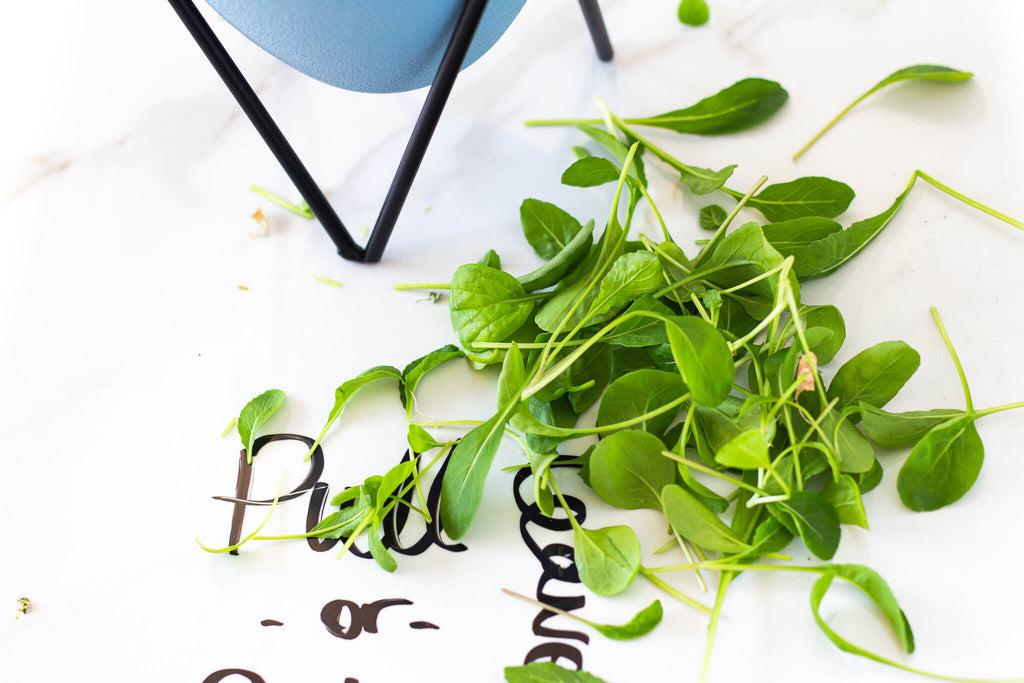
375, 46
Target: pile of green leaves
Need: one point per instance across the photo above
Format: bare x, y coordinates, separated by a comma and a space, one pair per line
703, 371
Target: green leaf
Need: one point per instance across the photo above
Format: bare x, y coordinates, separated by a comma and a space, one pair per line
855, 452
548, 228
713, 429
740, 106
703, 358
810, 196
608, 559
942, 467
627, 470
393, 479
639, 393
746, 451
641, 331
789, 236
420, 441
255, 414
344, 392
815, 520
870, 479
593, 366
631, 276
711, 217
540, 464
490, 259
825, 255
693, 12
486, 304
511, 379
618, 151
463, 486
844, 496
898, 430
558, 413
930, 72
348, 518
829, 318
875, 375
379, 552
590, 172
640, 625
552, 272
692, 520
868, 581
547, 672
743, 255
415, 371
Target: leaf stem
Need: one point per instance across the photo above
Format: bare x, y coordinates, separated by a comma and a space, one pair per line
967, 200
546, 606
682, 597
999, 409
303, 211
956, 359
402, 286
831, 123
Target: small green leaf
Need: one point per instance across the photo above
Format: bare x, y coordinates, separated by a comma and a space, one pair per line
463, 486
552, 272
608, 559
486, 304
511, 379
942, 467
627, 470
740, 106
640, 625
548, 228
746, 451
703, 358
344, 392
639, 393
393, 479
255, 414
898, 430
875, 587
693, 12
810, 196
631, 276
711, 217
875, 375
829, 318
590, 171
844, 496
815, 520
420, 441
380, 553
490, 259
415, 371
547, 672
692, 520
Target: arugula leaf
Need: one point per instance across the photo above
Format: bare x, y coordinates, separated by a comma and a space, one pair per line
692, 520
608, 559
814, 519
703, 358
929, 72
344, 392
627, 470
547, 672
642, 623
942, 467
462, 488
711, 217
486, 304
548, 228
561, 263
631, 275
415, 371
742, 105
589, 172
875, 375
898, 430
844, 496
748, 450
803, 197
639, 393
255, 414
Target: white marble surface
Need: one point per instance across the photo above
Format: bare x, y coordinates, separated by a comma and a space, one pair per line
127, 344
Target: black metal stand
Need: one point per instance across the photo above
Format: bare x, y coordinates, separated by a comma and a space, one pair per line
437, 96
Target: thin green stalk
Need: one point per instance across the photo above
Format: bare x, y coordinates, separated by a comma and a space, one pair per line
248, 538
682, 597
725, 224
303, 211
956, 359
403, 286
831, 123
968, 201
716, 612
714, 473
999, 409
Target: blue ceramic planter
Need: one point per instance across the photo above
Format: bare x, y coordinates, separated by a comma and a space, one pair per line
373, 46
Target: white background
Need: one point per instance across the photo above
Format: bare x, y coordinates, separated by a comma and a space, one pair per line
126, 344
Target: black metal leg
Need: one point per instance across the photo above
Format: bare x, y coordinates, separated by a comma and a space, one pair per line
598, 31
434, 104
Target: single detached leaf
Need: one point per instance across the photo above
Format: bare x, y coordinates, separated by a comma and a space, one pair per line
414, 371
639, 393
463, 486
380, 554
547, 672
810, 196
844, 495
693, 12
875, 375
548, 228
711, 217
815, 520
627, 470
701, 180
608, 559
740, 106
942, 467
703, 358
552, 272
692, 520
589, 172
746, 451
898, 430
255, 414
486, 304
875, 588
929, 72
640, 625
